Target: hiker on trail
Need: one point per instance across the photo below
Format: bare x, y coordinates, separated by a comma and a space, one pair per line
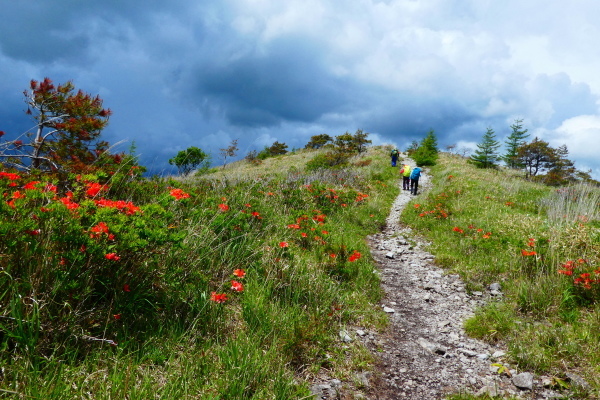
405, 172
414, 180
394, 154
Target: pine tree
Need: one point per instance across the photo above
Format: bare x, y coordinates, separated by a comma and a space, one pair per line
427, 152
486, 155
515, 140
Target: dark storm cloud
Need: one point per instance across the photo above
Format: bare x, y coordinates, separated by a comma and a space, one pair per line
288, 82
185, 73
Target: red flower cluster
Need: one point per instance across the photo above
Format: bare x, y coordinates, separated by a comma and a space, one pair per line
112, 257
354, 256
179, 194
218, 297
585, 279
93, 188
240, 273
68, 201
237, 286
99, 229
127, 206
526, 253
457, 229
223, 207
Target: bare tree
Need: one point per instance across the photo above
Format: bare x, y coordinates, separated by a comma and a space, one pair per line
229, 151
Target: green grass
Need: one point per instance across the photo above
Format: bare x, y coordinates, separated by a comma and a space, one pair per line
98, 302
493, 226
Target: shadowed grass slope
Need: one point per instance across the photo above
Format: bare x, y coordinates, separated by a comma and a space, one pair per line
233, 285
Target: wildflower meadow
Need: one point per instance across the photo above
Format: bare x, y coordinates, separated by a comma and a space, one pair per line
222, 287
541, 243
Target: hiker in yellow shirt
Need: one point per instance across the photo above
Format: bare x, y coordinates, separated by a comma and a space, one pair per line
405, 171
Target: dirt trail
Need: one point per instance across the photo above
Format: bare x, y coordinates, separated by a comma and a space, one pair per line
425, 354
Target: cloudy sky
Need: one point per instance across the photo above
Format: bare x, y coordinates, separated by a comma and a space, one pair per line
183, 73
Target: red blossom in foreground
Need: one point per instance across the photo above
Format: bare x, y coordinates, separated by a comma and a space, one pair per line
304, 234
179, 194
294, 226
284, 244
93, 189
218, 297
354, 256
457, 229
117, 316
112, 257
526, 253
126, 288
9, 175
237, 286
30, 185
240, 273
223, 207
127, 206
70, 204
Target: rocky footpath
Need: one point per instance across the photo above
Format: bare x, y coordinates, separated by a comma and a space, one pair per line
425, 353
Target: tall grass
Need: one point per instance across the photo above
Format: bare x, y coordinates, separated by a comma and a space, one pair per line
107, 300
539, 243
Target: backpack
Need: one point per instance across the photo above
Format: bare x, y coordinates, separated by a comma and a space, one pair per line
416, 173
406, 171
394, 152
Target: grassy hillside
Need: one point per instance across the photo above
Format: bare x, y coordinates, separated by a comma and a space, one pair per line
541, 244
233, 285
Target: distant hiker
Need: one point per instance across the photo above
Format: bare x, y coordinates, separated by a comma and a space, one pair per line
414, 180
405, 172
394, 154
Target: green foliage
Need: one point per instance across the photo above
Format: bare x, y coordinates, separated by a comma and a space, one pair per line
427, 152
486, 155
318, 141
67, 129
539, 243
190, 159
144, 288
515, 140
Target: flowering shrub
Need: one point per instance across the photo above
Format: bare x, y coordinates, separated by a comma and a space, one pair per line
585, 278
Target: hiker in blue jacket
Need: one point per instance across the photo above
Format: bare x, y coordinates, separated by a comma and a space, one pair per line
394, 154
414, 180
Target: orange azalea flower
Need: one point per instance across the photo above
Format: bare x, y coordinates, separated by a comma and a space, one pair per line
112, 257
240, 273
179, 194
526, 253
218, 297
354, 256
93, 189
30, 185
237, 286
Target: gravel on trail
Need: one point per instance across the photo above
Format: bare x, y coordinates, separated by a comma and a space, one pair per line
425, 353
